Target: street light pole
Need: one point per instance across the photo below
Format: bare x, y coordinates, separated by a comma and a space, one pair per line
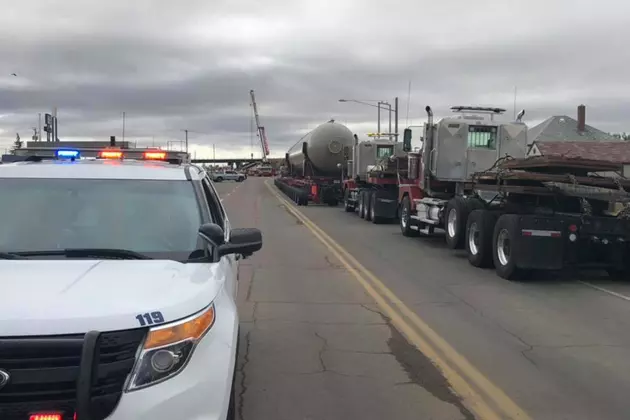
396, 118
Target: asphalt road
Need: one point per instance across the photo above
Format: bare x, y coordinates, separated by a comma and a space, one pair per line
318, 347
313, 344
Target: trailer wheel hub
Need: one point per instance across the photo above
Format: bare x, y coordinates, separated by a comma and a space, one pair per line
451, 225
503, 247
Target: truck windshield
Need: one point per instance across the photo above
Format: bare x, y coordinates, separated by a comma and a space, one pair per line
384, 151
156, 218
482, 137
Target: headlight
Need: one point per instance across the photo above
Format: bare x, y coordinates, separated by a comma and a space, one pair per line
167, 349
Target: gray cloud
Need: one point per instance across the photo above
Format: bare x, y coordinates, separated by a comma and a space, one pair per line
190, 64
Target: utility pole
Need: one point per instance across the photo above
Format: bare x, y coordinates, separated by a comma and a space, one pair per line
55, 136
396, 117
123, 133
39, 127
186, 131
214, 154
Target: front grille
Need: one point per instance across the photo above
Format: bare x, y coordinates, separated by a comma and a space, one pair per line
45, 370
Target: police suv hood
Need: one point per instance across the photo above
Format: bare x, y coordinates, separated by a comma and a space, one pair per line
76, 296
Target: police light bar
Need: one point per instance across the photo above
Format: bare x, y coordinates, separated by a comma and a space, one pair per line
47, 416
110, 154
154, 155
67, 154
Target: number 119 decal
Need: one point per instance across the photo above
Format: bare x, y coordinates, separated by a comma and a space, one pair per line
150, 318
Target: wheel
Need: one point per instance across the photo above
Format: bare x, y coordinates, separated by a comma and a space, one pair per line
218, 179
362, 204
373, 216
405, 218
241, 179
368, 205
479, 230
349, 207
505, 246
457, 210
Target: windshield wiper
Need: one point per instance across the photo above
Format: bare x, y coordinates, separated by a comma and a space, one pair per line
108, 253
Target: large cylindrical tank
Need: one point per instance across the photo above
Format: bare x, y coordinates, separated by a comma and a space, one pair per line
324, 147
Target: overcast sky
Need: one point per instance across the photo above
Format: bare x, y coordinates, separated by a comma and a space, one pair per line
189, 64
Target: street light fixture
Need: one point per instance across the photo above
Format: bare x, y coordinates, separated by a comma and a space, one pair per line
378, 105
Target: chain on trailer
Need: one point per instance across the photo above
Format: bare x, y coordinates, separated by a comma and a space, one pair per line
585, 206
624, 213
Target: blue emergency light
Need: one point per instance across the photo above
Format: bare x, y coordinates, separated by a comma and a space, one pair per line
67, 154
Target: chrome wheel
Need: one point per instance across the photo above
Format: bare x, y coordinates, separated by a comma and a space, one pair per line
503, 247
451, 225
473, 238
404, 214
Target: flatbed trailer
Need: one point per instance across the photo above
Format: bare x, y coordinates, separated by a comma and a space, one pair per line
315, 190
540, 213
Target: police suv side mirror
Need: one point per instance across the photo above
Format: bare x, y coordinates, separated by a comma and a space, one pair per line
407, 140
212, 233
244, 241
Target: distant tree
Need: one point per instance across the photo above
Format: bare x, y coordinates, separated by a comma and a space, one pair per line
18, 142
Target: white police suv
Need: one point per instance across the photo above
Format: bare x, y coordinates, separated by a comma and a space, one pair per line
118, 280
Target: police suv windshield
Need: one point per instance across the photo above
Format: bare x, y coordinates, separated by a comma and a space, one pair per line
155, 218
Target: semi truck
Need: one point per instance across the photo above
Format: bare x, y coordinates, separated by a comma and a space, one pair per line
519, 214
312, 171
370, 187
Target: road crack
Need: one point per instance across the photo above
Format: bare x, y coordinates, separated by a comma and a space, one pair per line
241, 395
321, 352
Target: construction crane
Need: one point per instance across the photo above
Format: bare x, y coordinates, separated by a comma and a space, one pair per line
261, 130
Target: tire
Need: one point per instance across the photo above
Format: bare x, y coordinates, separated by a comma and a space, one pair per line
505, 238
346, 201
362, 204
218, 179
479, 233
241, 179
457, 211
405, 218
373, 216
368, 206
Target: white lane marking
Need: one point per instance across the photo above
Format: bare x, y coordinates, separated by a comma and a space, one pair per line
602, 289
235, 188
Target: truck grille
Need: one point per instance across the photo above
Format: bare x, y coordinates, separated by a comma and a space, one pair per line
44, 372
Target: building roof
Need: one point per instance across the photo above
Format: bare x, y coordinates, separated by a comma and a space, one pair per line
565, 128
97, 169
616, 152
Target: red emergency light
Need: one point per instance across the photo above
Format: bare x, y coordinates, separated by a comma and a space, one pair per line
47, 416
155, 155
110, 154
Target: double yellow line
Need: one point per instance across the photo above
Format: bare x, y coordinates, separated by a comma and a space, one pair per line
479, 394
